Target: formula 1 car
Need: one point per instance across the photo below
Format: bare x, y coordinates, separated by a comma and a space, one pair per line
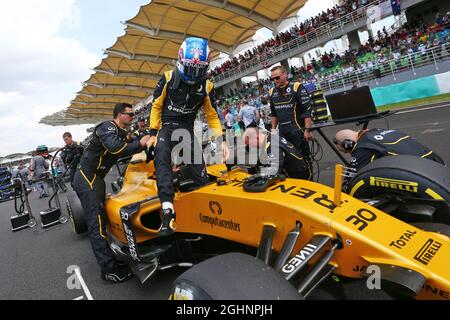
269, 237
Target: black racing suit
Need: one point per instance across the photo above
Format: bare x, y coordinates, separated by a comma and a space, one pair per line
174, 107
290, 160
291, 105
108, 143
377, 143
71, 156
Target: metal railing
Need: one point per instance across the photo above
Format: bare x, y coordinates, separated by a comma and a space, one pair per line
392, 67
290, 49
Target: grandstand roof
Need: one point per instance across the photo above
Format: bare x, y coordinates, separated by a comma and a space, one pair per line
150, 46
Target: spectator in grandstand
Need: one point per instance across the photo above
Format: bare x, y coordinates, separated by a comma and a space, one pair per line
271, 46
71, 155
367, 145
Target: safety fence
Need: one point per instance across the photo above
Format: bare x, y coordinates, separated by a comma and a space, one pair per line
389, 68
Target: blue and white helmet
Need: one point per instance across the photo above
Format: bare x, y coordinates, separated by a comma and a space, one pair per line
193, 60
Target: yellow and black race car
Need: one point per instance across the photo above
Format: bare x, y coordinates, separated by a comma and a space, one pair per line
270, 237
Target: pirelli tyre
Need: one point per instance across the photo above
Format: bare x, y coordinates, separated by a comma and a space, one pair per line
76, 213
232, 276
403, 175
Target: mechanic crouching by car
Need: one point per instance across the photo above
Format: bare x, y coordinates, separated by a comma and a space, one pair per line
287, 160
291, 111
178, 98
108, 143
367, 145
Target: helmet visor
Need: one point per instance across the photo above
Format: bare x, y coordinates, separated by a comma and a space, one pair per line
195, 71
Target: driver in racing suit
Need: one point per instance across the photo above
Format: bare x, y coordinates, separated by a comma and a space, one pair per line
178, 98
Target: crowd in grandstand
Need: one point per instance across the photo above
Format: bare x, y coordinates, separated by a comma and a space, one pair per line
414, 38
298, 30
410, 39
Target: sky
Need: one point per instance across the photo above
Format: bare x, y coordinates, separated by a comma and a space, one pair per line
48, 49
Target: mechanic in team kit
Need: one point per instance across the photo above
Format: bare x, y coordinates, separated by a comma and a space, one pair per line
367, 145
141, 129
287, 160
71, 154
178, 98
291, 111
109, 142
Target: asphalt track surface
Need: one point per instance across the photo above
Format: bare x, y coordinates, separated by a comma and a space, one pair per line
34, 263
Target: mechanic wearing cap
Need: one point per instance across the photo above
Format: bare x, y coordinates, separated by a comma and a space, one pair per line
71, 154
141, 129
367, 145
178, 98
108, 143
291, 111
288, 159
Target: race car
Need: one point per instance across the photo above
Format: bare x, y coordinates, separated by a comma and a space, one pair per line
251, 236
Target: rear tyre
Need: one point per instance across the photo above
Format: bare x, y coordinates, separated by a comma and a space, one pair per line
406, 176
76, 213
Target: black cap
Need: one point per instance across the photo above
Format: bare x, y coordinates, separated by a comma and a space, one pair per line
141, 118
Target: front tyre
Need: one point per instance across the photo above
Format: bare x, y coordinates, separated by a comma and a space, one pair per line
76, 213
232, 276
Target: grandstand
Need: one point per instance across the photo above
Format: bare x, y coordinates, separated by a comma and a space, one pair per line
149, 47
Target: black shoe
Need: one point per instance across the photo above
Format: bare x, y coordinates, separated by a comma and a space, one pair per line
167, 222
117, 275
